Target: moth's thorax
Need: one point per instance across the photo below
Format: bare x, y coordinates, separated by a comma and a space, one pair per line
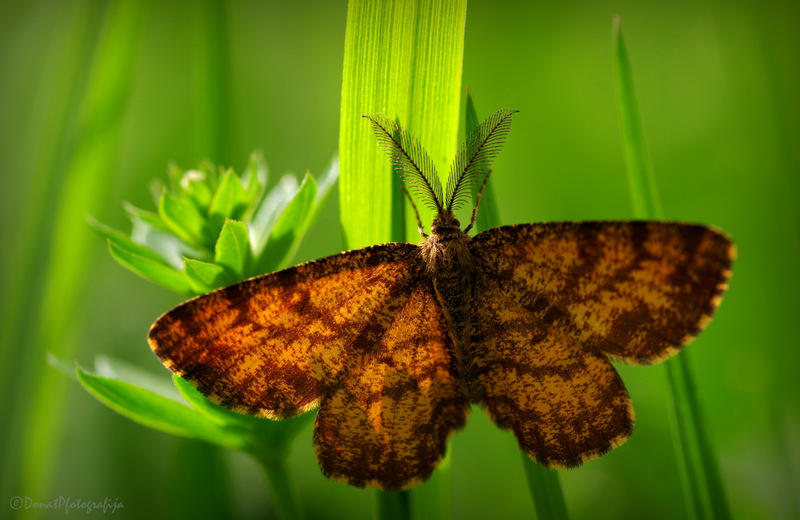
446, 250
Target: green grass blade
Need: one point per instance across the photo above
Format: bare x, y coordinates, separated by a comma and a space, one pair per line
644, 194
402, 59
212, 97
64, 65
544, 484
704, 490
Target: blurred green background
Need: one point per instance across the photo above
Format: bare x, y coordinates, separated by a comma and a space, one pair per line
717, 84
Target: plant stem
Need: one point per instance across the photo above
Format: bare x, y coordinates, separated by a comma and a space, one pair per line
282, 491
394, 505
545, 488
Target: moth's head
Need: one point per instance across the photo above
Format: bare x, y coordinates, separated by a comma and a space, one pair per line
444, 223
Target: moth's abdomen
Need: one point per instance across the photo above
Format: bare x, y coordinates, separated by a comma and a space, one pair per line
451, 268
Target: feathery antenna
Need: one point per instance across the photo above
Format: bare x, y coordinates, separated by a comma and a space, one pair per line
408, 156
472, 163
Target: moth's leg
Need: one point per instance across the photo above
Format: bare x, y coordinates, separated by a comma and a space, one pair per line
477, 202
416, 212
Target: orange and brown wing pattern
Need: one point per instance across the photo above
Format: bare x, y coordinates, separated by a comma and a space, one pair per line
273, 345
638, 291
564, 402
387, 425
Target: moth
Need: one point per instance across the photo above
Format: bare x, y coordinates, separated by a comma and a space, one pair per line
394, 342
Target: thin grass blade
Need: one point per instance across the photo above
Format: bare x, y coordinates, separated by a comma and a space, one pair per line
544, 484
85, 186
487, 212
704, 490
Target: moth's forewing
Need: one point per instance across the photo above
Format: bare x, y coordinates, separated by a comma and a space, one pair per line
273, 345
638, 291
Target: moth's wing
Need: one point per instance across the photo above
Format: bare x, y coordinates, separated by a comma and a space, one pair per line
387, 425
638, 291
564, 402
273, 345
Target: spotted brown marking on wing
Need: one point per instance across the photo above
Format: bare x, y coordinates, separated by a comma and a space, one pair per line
387, 425
564, 402
638, 291
273, 345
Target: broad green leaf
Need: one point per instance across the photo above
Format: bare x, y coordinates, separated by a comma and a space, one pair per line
174, 175
183, 219
150, 231
157, 412
115, 368
233, 248
266, 437
214, 412
289, 228
195, 187
204, 277
148, 268
402, 59
229, 201
165, 244
324, 185
65, 367
123, 241
254, 180
149, 217
271, 208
